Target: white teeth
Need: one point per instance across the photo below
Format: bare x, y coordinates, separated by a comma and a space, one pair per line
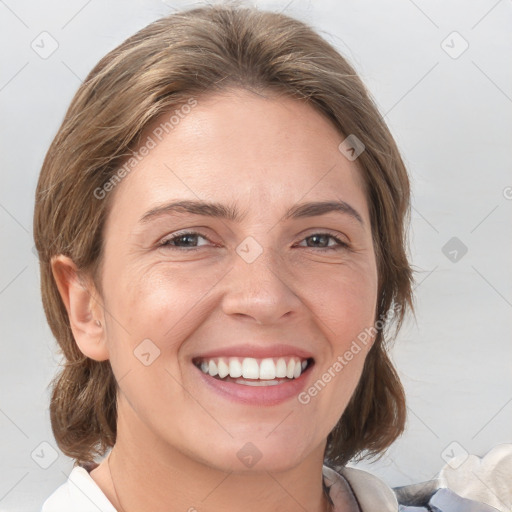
297, 371
267, 369
281, 368
235, 368
262, 383
212, 368
223, 368
250, 368
256, 371
290, 369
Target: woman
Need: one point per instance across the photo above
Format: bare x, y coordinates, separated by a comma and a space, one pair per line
220, 222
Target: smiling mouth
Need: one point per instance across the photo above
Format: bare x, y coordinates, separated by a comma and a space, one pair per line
251, 371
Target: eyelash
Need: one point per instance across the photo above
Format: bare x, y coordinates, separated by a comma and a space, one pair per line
167, 242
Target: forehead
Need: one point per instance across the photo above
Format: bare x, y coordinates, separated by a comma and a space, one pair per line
262, 150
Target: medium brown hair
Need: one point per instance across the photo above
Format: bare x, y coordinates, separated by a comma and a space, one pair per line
157, 70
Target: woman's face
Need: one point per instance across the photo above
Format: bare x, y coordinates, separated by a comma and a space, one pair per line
262, 294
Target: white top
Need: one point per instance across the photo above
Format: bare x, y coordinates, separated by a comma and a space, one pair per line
80, 493
466, 482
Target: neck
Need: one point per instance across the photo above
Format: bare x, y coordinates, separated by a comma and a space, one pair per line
148, 476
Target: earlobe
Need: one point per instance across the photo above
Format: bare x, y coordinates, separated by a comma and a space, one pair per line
83, 306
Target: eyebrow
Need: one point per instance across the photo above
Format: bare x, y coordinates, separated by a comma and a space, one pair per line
231, 213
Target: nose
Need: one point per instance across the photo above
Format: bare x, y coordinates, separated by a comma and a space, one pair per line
261, 290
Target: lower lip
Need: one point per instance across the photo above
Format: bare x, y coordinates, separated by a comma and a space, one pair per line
257, 395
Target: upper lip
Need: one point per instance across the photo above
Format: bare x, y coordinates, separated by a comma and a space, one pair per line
255, 351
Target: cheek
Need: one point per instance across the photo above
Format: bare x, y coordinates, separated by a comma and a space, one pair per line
347, 311
345, 302
163, 303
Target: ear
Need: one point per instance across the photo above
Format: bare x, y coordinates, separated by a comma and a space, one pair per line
84, 307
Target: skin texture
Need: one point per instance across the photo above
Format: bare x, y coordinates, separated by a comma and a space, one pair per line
177, 439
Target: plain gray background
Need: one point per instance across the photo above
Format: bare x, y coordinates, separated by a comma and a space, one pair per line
450, 110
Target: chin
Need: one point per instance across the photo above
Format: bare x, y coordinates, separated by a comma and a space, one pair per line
259, 455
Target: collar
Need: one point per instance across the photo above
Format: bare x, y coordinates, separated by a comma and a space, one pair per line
371, 493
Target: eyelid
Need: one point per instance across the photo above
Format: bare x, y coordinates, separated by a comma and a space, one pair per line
173, 236
340, 243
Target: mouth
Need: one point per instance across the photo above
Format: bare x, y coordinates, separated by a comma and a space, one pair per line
256, 372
